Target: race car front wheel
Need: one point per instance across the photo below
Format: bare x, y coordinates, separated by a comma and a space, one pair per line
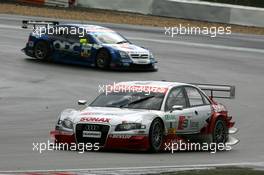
41, 50
103, 59
156, 134
220, 133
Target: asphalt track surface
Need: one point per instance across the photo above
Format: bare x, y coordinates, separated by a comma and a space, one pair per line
32, 94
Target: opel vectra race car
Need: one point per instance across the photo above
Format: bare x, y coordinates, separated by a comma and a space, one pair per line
89, 45
147, 115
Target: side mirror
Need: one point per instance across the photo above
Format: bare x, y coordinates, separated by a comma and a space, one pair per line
82, 102
176, 108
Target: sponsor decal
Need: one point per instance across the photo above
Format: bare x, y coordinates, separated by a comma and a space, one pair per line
120, 136
171, 130
218, 108
183, 122
86, 50
92, 134
194, 124
66, 46
96, 113
170, 117
95, 119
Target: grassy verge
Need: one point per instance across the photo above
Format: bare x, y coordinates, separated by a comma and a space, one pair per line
219, 171
115, 17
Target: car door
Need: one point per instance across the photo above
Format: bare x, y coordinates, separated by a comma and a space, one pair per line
199, 107
177, 120
88, 49
84, 46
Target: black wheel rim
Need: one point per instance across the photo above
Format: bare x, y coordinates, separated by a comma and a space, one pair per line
101, 62
220, 133
156, 135
40, 52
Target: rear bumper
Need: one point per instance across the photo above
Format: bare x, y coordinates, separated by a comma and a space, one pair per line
28, 51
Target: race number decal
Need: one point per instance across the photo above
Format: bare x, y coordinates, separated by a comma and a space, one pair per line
183, 123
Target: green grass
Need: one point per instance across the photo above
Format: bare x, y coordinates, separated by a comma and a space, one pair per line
219, 171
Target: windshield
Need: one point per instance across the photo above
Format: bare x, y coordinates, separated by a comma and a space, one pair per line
109, 37
150, 101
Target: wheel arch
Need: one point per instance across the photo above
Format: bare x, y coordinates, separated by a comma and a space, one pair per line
42, 40
151, 147
50, 48
163, 124
110, 59
103, 48
213, 120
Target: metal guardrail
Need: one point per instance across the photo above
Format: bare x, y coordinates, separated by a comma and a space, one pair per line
186, 9
54, 3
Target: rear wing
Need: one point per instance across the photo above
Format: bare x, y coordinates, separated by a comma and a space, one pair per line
26, 23
218, 91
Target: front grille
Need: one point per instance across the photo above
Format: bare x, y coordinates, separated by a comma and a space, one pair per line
139, 56
91, 127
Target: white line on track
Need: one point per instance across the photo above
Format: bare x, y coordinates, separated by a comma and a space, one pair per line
203, 45
176, 167
5, 26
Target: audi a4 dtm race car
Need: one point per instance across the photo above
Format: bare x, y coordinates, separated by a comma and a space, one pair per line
145, 115
89, 45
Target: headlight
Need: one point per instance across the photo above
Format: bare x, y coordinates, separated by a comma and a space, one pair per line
123, 54
151, 56
65, 118
67, 123
129, 126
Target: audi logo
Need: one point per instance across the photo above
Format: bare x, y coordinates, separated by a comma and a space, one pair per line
91, 127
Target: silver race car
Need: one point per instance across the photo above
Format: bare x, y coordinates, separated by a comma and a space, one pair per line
149, 115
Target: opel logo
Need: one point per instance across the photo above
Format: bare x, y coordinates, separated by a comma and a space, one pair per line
91, 127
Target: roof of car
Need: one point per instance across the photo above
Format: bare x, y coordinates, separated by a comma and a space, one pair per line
163, 84
91, 28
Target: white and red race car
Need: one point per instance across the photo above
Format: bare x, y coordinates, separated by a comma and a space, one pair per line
146, 115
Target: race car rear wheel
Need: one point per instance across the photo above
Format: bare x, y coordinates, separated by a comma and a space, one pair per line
220, 132
41, 50
103, 59
156, 134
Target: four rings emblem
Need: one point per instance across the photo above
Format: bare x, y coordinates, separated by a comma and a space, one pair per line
91, 128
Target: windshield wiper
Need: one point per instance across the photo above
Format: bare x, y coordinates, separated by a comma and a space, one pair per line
121, 42
138, 100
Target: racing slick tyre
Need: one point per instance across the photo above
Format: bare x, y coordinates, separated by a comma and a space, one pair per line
156, 133
42, 50
103, 59
220, 132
